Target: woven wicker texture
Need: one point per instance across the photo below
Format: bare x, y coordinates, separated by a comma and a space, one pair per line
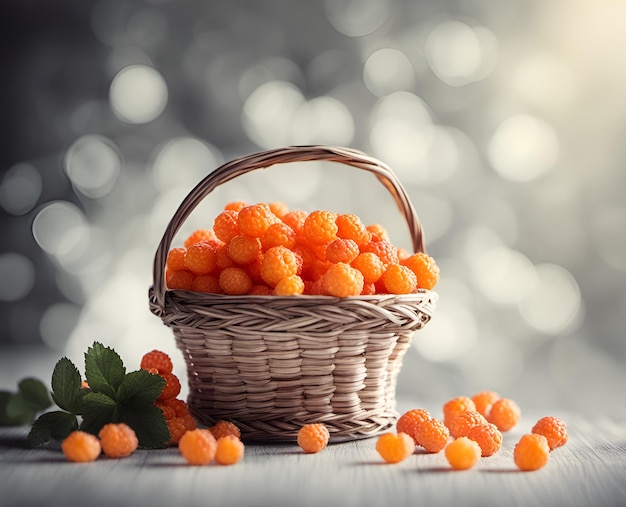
272, 364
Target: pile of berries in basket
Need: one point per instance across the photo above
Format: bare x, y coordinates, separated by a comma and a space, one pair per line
266, 249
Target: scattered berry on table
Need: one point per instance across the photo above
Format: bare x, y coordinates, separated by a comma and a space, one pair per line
410, 420
222, 428
313, 437
487, 436
462, 453
198, 446
504, 413
118, 440
531, 452
81, 447
463, 422
229, 450
554, 429
157, 359
432, 435
395, 447
483, 401
456, 406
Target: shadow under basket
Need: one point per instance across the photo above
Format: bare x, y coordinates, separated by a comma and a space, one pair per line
272, 364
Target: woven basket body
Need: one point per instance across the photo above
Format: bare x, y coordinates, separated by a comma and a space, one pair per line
272, 364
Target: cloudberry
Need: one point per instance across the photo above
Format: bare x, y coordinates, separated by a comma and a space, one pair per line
319, 227
483, 401
504, 413
295, 219
462, 453
387, 252
226, 225
278, 234
198, 446
394, 448
554, 429
222, 428
342, 280
176, 259
229, 450
369, 289
455, 406
180, 280
313, 437
342, 250
487, 436
280, 209
260, 290
177, 427
403, 254
157, 359
168, 412
425, 268
198, 235
179, 407
432, 435
118, 440
278, 263
255, 219
378, 232
370, 266
172, 387
235, 205
235, 281
81, 447
244, 249
200, 258
349, 226
254, 270
410, 420
206, 283
289, 286
531, 452
399, 279
463, 422
222, 259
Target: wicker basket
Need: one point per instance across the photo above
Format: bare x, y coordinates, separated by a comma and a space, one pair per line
272, 364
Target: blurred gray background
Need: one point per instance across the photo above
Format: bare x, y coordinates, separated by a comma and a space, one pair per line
504, 119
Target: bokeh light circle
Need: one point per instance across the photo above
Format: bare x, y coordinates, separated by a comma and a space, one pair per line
138, 94
93, 164
17, 273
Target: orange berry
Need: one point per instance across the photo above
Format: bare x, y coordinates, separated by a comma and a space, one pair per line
409, 421
399, 279
349, 226
235, 205
394, 448
342, 280
403, 254
504, 413
319, 227
554, 429
483, 401
462, 423
279, 262
432, 435
180, 280
168, 412
289, 286
369, 289
118, 440
370, 266
200, 258
176, 259
378, 232
226, 225
222, 428
255, 219
387, 252
157, 359
206, 283
295, 219
260, 290
456, 406
425, 269
487, 436
342, 250
254, 270
81, 447
198, 235
235, 281
198, 446
313, 437
172, 387
531, 452
278, 234
179, 407
222, 259
280, 209
462, 453
177, 427
244, 249
229, 450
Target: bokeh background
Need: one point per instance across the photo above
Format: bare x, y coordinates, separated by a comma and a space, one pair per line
504, 119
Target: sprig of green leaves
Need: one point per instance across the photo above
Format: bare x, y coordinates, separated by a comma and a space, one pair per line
112, 396
21, 407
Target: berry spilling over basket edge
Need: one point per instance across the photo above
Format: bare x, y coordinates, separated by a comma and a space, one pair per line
286, 318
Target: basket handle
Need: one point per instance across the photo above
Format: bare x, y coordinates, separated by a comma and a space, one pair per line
263, 160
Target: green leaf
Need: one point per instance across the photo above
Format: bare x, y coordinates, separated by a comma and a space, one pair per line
12, 410
99, 409
104, 369
140, 388
66, 385
52, 425
35, 392
148, 423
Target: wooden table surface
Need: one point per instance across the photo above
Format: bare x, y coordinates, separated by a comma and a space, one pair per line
589, 471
